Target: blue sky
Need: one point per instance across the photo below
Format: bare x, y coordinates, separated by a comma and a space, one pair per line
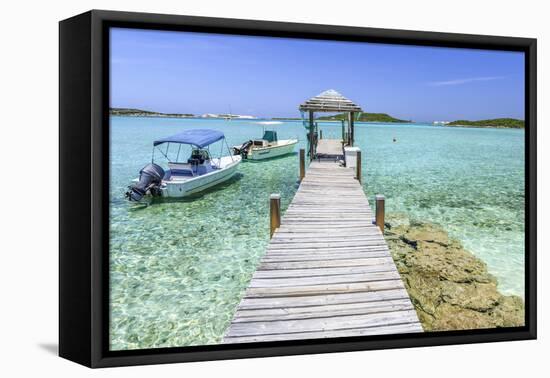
181, 72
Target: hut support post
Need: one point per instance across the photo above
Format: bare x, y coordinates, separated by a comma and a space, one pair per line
351, 129
274, 213
311, 136
302, 164
380, 199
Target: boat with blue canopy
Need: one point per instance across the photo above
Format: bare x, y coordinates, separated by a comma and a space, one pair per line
198, 172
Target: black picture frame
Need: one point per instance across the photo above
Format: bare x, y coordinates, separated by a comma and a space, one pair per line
84, 170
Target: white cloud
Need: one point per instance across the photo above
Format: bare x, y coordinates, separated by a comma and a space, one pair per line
464, 81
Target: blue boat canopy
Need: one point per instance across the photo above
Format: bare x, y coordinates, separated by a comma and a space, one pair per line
196, 137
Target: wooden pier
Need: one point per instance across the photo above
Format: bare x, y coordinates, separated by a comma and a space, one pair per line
329, 148
327, 271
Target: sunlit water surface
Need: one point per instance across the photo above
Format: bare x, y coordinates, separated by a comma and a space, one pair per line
179, 268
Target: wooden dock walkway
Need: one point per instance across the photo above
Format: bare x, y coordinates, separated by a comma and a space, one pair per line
329, 148
327, 271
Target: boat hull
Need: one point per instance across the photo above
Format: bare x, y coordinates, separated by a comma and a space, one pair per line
260, 153
179, 189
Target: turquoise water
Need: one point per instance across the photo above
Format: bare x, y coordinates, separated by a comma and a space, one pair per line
178, 268
469, 180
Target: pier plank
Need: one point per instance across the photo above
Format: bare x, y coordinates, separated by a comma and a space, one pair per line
321, 300
253, 292
327, 311
323, 271
365, 331
338, 279
324, 263
321, 324
327, 271
308, 257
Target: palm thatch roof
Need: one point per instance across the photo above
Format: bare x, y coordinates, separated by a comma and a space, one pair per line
330, 101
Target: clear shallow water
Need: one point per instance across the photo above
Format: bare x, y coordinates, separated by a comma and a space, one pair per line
178, 268
469, 180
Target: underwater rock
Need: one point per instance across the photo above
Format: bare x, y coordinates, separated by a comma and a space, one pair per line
450, 288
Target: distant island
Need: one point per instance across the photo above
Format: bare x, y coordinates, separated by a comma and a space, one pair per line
509, 123
129, 112
365, 117
145, 113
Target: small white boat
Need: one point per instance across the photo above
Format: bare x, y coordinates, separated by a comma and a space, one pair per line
198, 173
267, 147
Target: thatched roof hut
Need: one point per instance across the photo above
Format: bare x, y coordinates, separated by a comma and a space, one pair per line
330, 101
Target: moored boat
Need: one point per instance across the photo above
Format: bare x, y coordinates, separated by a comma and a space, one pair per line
267, 147
201, 171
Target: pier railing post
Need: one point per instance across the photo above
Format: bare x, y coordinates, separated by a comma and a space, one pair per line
302, 164
274, 213
358, 166
380, 199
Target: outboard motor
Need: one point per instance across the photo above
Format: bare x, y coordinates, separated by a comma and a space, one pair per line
243, 149
150, 178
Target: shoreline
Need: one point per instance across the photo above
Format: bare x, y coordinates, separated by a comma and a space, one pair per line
449, 287
483, 127
188, 117
145, 115
179, 116
159, 115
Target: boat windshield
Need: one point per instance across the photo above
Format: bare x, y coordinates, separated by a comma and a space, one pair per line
200, 155
270, 136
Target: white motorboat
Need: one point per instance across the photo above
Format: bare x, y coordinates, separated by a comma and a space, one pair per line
198, 173
267, 147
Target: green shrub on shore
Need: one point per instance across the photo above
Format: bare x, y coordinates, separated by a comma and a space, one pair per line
497, 122
364, 117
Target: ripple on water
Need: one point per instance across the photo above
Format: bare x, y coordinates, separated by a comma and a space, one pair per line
179, 268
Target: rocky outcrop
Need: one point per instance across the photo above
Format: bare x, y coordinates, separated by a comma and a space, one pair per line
449, 287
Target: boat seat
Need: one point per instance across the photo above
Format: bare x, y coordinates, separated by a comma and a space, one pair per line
195, 160
181, 172
190, 169
180, 169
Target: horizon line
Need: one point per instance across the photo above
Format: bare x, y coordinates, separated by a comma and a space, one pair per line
195, 115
